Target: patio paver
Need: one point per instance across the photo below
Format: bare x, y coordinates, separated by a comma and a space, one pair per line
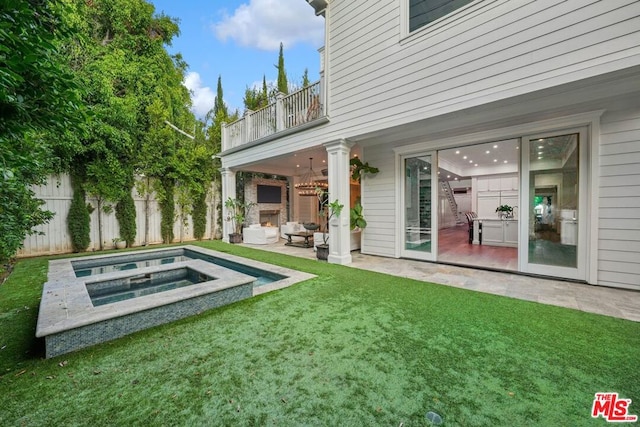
621, 303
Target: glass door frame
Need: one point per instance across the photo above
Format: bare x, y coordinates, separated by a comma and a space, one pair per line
408, 253
580, 272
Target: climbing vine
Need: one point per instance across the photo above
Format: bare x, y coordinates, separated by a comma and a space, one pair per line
167, 209
126, 216
199, 215
79, 220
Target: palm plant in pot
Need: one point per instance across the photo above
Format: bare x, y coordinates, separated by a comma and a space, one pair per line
236, 213
328, 210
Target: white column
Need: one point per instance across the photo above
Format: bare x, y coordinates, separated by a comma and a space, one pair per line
339, 188
228, 190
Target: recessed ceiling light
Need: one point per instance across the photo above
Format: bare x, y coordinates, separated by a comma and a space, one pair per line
517, 147
495, 146
457, 151
541, 140
456, 178
438, 172
475, 164
464, 157
488, 151
539, 157
470, 161
448, 176
495, 160
324, 161
539, 152
506, 161
297, 166
540, 147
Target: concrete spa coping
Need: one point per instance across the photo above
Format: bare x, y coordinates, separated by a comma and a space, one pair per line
69, 321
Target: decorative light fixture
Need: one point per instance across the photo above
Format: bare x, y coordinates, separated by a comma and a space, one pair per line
309, 182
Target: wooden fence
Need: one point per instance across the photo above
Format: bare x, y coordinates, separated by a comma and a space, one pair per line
57, 194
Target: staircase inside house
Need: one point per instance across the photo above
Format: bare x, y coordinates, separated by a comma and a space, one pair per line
445, 187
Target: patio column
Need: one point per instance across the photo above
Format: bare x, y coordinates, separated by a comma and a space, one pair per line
228, 190
339, 188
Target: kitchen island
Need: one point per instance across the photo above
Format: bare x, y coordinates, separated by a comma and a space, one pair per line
495, 231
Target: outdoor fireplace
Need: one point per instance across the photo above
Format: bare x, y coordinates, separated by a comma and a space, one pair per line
270, 218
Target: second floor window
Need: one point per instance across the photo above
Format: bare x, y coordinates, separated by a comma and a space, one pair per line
423, 12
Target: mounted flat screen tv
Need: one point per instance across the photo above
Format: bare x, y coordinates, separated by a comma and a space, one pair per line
269, 194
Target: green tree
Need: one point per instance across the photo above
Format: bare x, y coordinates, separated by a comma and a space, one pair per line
254, 98
219, 107
133, 87
41, 110
215, 119
283, 85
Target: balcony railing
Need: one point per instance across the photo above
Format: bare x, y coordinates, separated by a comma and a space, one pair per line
289, 111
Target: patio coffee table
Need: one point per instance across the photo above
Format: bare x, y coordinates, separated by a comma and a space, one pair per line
308, 239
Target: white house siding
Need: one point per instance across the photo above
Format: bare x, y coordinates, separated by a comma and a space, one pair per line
379, 202
619, 204
500, 50
497, 51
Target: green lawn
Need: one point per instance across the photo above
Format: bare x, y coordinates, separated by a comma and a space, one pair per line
347, 348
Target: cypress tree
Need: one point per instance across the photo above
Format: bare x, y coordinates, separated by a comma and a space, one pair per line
283, 85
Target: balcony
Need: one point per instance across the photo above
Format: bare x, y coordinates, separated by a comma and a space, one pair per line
290, 113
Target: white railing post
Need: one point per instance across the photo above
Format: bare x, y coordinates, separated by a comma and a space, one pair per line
225, 136
280, 113
321, 95
246, 129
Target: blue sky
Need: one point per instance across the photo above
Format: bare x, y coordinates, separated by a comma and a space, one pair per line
239, 40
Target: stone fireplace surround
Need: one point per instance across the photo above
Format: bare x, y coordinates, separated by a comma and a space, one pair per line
276, 213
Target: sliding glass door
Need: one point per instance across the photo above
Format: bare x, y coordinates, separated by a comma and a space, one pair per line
418, 220
554, 188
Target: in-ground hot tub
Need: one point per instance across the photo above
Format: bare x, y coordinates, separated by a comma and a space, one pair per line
95, 299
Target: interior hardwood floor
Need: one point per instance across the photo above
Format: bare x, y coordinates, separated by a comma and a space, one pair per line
454, 247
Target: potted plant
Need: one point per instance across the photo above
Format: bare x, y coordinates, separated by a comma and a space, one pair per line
119, 242
236, 214
328, 211
505, 211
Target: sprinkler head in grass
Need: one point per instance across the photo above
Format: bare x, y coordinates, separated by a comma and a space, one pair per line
434, 418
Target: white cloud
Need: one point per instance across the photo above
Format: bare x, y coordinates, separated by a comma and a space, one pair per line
263, 24
203, 98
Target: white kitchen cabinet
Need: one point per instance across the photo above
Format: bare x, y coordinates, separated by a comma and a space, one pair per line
496, 232
510, 232
492, 232
488, 201
509, 183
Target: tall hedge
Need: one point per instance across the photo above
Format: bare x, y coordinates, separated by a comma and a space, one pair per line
79, 220
199, 215
126, 216
167, 209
